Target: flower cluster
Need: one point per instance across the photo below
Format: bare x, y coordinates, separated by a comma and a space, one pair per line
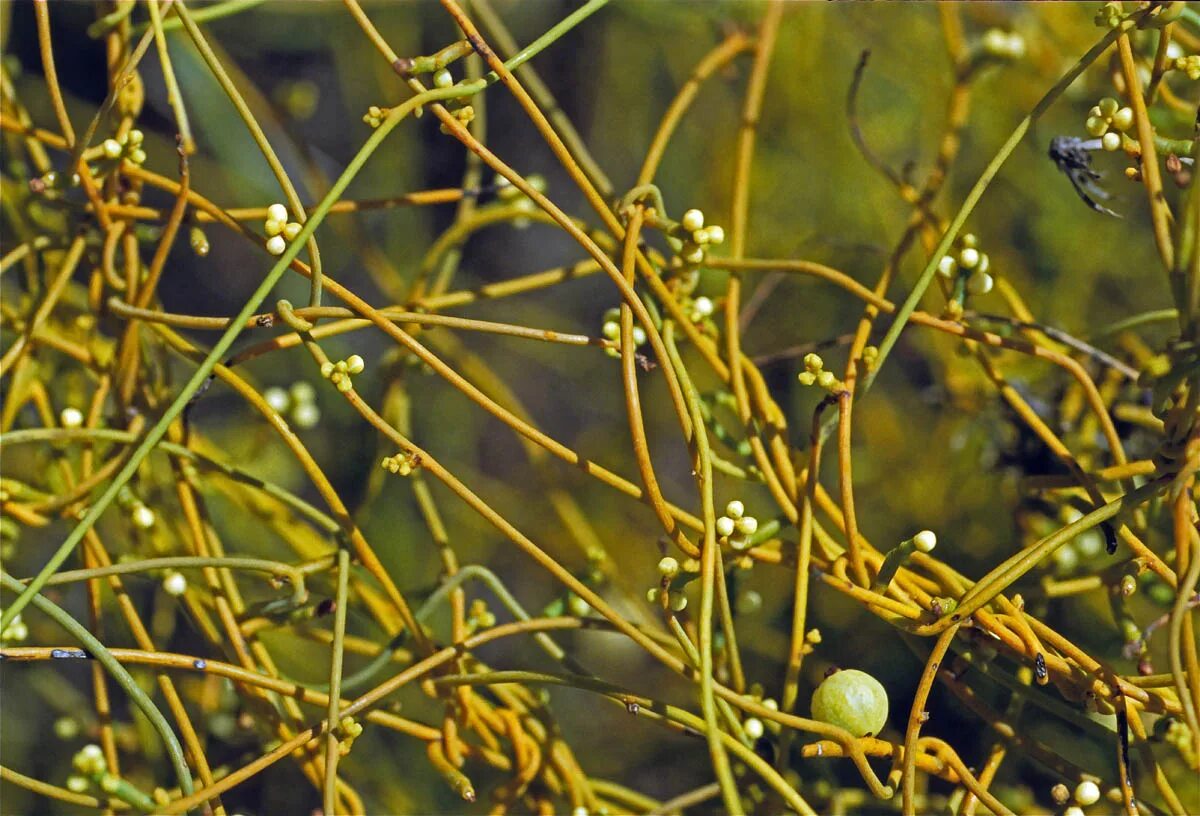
611, 330
735, 526
351, 729
814, 373
970, 265
401, 464
339, 373
15, 632
299, 402
697, 238
1003, 44
1109, 15
1107, 120
668, 571
700, 309
375, 115
128, 147
1190, 65
279, 230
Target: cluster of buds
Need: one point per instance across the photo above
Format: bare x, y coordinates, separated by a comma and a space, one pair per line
668, 571
299, 402
142, 516
91, 766
1107, 120
1003, 44
611, 330
700, 309
375, 115
128, 147
814, 373
402, 464
15, 632
697, 238
1175, 732
279, 230
1109, 15
969, 265
339, 373
1086, 793
351, 729
1190, 65
479, 616
736, 527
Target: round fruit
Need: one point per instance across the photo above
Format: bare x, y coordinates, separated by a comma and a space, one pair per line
852, 700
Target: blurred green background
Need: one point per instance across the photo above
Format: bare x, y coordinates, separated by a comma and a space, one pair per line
934, 448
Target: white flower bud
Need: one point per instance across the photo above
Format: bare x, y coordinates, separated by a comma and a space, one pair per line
735, 509
1087, 792
753, 727
443, 79
306, 415
716, 235
947, 266
925, 541
143, 517
668, 567
291, 229
277, 212
725, 526
968, 257
692, 220
277, 398
702, 306
71, 417
276, 245
272, 227
175, 584
747, 525
355, 364
980, 283
1111, 141
112, 148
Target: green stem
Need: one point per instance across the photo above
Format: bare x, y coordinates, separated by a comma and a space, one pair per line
294, 575
335, 679
123, 678
716, 748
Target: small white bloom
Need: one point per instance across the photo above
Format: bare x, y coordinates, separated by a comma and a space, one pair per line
1087, 792
277, 212
175, 584
702, 306
753, 727
276, 245
143, 517
71, 417
692, 220
306, 415
277, 398
925, 541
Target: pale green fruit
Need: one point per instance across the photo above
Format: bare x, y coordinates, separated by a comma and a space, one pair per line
852, 700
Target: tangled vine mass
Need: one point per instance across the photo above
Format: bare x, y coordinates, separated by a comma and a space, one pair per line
597, 407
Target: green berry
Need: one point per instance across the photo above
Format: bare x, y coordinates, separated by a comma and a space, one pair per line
853, 700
